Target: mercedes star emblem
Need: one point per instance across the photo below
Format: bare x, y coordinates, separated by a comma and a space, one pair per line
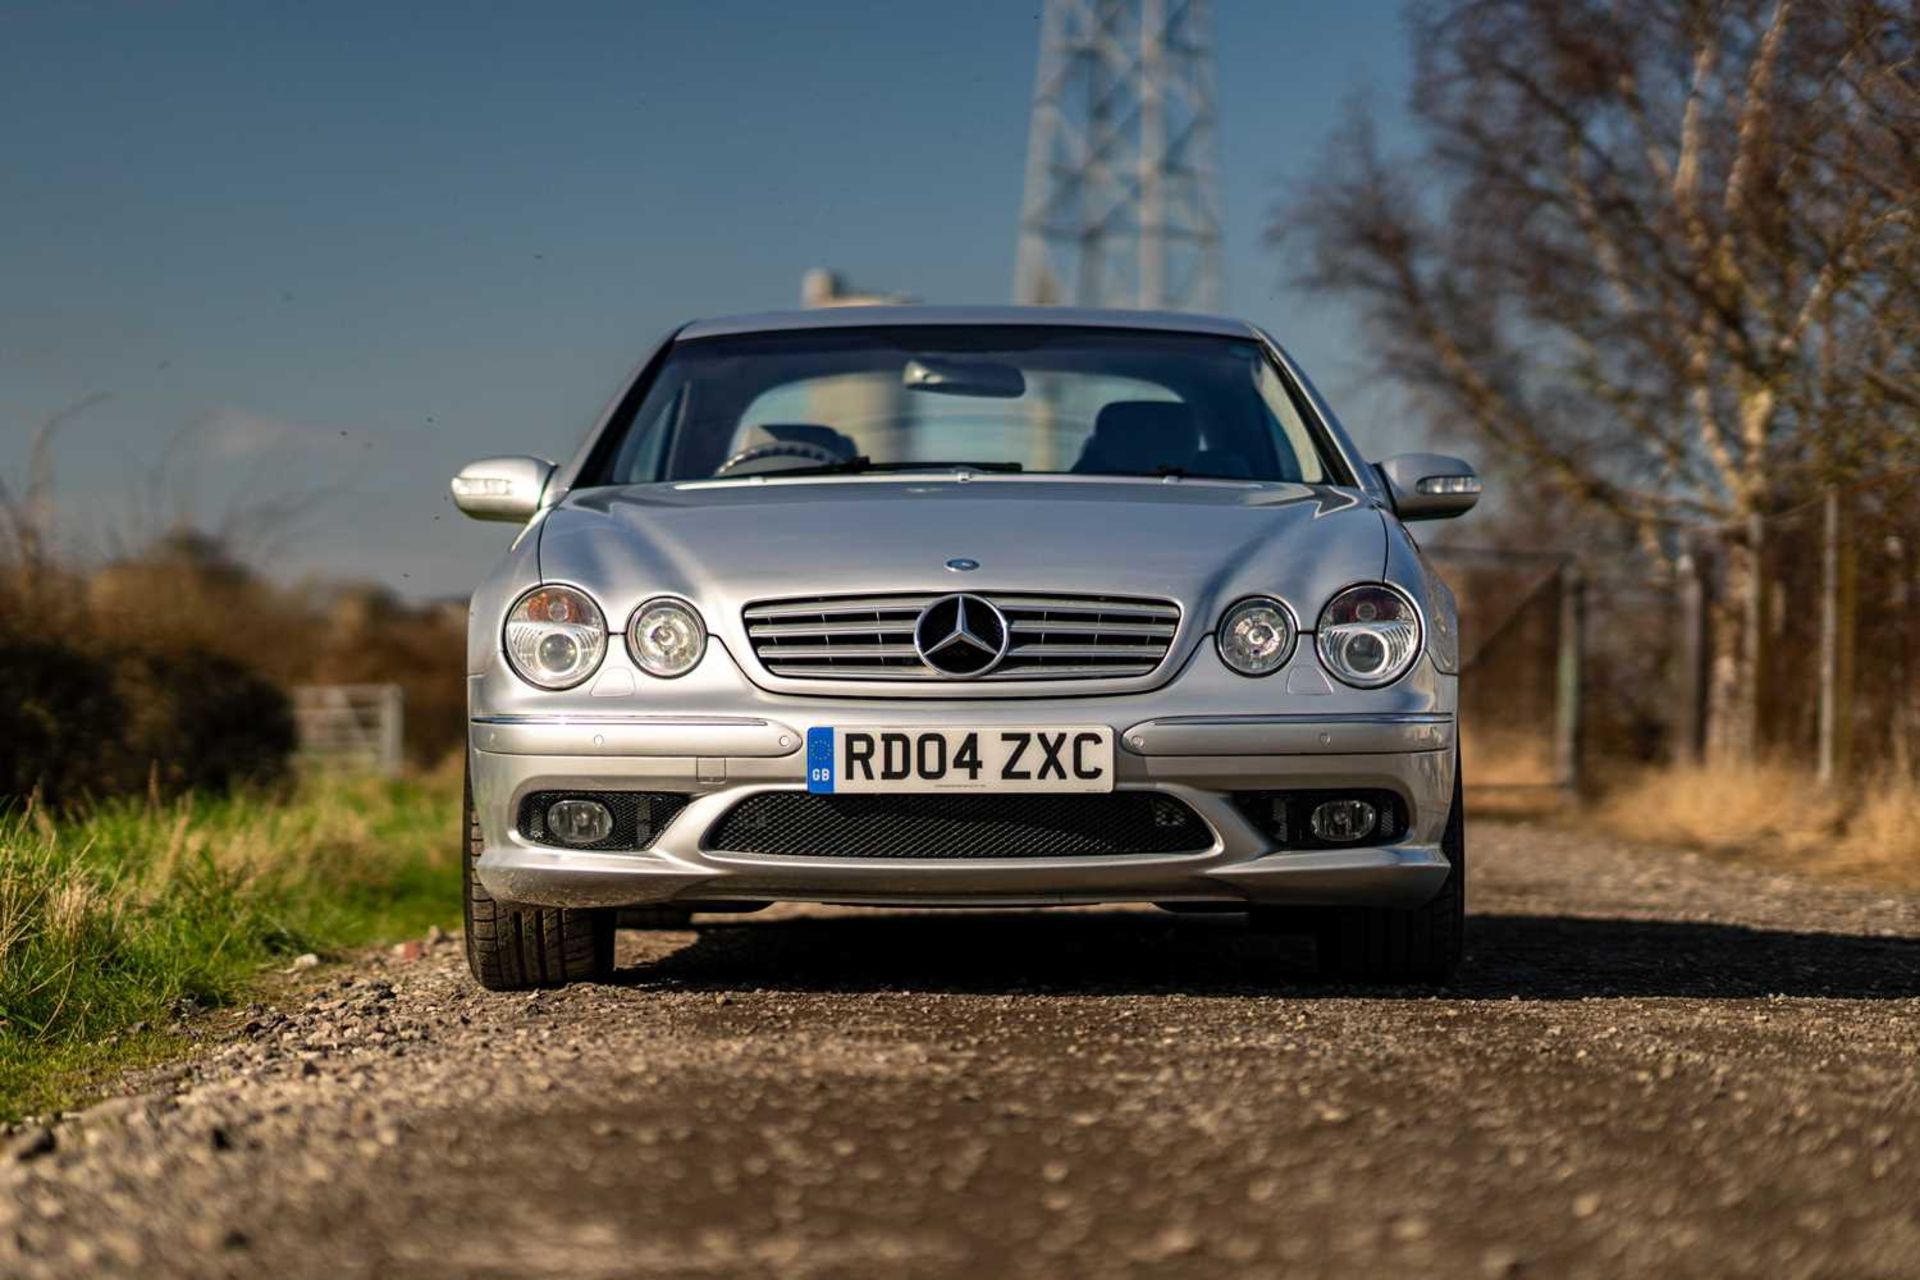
961, 636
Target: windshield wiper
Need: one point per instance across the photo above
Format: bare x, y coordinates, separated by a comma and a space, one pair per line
1165, 471
855, 466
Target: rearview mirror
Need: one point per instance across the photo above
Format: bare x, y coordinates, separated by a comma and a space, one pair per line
502, 488
1430, 486
964, 378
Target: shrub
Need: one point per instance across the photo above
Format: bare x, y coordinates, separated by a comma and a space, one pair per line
173, 660
62, 726
75, 725
199, 721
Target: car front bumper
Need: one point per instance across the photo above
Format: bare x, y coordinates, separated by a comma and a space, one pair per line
719, 760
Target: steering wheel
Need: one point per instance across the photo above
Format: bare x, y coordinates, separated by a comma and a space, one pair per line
797, 450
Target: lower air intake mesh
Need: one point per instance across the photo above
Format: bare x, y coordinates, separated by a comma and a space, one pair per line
800, 824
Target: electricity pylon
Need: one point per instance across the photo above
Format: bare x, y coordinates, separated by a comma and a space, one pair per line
1121, 207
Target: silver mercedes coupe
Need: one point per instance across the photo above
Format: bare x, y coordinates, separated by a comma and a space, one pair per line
938, 607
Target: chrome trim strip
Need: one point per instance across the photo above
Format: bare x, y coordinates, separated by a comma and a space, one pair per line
1015, 602
1349, 733
1158, 630
685, 737
620, 718
854, 673
808, 606
787, 649
1306, 717
1089, 650
774, 630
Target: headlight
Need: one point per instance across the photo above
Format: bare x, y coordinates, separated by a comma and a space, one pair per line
666, 638
1256, 636
1368, 636
555, 637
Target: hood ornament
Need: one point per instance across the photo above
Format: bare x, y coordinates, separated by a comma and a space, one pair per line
960, 564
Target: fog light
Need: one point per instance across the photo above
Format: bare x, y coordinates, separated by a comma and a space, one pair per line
1343, 821
579, 822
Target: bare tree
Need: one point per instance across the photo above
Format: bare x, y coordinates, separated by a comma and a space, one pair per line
26, 518
1660, 253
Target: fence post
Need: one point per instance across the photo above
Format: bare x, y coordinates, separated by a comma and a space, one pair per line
1829, 635
1838, 566
1906, 708
1749, 693
392, 709
1567, 691
1690, 691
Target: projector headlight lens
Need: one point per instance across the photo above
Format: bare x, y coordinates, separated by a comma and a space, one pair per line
666, 637
555, 637
1368, 636
1256, 636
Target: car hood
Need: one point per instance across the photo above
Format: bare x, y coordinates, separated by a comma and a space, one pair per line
723, 545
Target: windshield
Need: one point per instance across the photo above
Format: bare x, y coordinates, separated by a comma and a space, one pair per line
1039, 399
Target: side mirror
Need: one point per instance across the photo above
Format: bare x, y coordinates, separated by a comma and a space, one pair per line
1430, 486
502, 488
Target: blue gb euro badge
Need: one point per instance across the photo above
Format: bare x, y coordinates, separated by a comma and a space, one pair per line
820, 761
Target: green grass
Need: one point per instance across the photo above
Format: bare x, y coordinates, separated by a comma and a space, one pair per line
133, 913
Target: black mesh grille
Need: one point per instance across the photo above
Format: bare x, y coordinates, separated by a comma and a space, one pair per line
638, 816
800, 824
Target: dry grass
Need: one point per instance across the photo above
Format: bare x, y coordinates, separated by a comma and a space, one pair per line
1510, 775
1496, 759
1520, 804
1775, 812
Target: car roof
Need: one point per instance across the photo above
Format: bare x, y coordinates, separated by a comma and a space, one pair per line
881, 317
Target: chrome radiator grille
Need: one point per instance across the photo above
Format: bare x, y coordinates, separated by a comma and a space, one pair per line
1049, 637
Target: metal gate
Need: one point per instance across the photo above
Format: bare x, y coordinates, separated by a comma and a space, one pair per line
1521, 625
353, 727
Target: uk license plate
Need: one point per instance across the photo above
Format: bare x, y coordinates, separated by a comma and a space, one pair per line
845, 759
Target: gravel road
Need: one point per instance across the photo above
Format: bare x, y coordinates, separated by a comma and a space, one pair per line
1654, 1063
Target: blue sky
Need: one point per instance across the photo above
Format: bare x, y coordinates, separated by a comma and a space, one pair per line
338, 249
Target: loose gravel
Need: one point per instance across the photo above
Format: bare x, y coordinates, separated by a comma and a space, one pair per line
1655, 1063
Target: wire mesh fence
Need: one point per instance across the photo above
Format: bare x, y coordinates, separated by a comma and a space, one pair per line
1839, 651
1520, 665
1569, 659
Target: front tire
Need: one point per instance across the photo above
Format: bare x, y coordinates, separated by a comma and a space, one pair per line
1387, 944
512, 946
